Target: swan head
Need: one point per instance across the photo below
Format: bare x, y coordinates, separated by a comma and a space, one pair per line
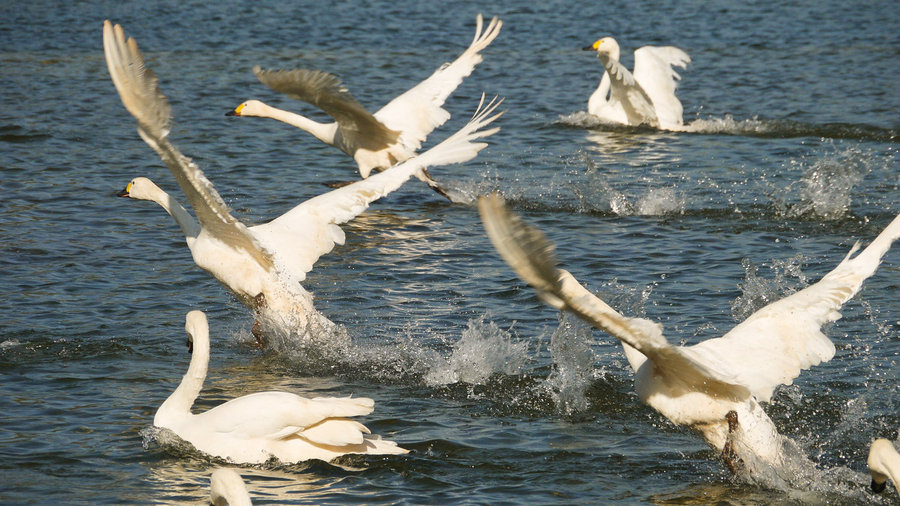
606, 45
249, 108
140, 188
194, 324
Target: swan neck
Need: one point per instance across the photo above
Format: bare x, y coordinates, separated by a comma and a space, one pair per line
188, 224
179, 403
322, 131
600, 95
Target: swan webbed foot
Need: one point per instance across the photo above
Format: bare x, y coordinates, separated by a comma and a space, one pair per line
256, 330
732, 461
434, 185
878, 487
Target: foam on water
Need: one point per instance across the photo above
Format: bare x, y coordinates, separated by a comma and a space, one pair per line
757, 291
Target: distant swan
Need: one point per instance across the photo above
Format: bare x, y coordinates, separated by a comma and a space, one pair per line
226, 488
884, 464
715, 386
392, 134
262, 265
646, 97
253, 428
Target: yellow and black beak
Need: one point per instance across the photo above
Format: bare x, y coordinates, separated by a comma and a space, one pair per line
126, 192
236, 111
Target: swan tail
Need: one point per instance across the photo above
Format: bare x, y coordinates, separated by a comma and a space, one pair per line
136, 83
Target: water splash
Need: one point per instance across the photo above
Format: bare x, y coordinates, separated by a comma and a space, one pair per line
484, 349
825, 187
657, 201
573, 364
757, 291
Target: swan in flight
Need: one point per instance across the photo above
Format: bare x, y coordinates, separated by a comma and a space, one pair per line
716, 386
254, 428
645, 97
884, 464
393, 133
226, 488
261, 265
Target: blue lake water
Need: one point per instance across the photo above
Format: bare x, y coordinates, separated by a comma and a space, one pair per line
792, 158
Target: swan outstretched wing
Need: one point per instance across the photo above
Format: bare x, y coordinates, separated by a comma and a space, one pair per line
531, 255
777, 342
138, 88
312, 229
653, 71
418, 111
327, 92
628, 92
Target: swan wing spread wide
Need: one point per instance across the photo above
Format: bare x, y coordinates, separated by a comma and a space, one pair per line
276, 415
627, 91
418, 111
531, 255
653, 71
138, 88
311, 229
777, 342
327, 92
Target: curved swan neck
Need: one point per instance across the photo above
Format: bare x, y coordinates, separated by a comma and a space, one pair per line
181, 400
325, 132
188, 224
600, 95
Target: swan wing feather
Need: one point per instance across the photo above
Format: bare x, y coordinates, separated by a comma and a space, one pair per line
315, 223
418, 111
327, 92
139, 90
653, 70
780, 340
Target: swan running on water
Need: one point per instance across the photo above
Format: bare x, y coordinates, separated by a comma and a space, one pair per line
884, 464
392, 134
226, 488
715, 386
645, 97
254, 428
261, 265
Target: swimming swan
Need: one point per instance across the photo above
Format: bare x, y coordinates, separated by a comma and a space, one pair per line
715, 386
253, 428
261, 265
375, 141
226, 488
646, 97
884, 464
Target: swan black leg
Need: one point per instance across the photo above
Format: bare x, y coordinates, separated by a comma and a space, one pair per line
732, 461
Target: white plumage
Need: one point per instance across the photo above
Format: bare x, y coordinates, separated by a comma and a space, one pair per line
392, 134
262, 265
704, 385
884, 464
645, 97
253, 428
226, 488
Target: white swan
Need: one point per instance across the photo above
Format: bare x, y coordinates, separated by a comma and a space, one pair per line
253, 428
262, 265
226, 488
646, 97
884, 464
392, 134
715, 386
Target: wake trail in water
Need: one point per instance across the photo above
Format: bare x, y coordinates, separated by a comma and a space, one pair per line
752, 127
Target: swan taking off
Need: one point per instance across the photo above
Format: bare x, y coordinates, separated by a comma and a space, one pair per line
254, 428
261, 265
715, 386
375, 141
884, 464
645, 97
226, 488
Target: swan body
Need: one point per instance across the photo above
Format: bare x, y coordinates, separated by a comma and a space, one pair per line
884, 464
261, 265
226, 488
254, 428
392, 134
715, 386
645, 97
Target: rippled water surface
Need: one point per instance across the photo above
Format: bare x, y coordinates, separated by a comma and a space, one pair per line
789, 158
